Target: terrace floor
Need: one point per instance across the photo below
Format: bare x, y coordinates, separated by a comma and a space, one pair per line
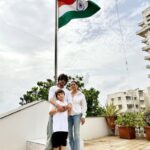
116, 143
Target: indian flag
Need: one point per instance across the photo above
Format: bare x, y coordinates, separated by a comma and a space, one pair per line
72, 9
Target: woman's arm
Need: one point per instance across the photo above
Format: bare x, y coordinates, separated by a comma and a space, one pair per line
84, 109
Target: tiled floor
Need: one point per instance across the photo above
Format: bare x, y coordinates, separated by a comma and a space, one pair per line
115, 143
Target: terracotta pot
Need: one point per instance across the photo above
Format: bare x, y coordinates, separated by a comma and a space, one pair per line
127, 132
111, 123
147, 131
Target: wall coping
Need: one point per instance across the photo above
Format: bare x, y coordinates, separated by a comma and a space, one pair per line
20, 108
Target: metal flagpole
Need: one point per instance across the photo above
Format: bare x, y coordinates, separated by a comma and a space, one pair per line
56, 48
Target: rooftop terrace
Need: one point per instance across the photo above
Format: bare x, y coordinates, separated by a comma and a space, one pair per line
115, 143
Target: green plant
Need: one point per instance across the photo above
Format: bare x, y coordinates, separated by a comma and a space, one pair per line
126, 119
139, 120
131, 119
110, 110
147, 117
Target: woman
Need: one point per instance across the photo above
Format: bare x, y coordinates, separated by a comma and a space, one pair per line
77, 115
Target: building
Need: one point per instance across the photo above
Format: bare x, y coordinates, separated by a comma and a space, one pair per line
145, 34
130, 100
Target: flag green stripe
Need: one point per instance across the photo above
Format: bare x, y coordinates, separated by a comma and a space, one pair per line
91, 9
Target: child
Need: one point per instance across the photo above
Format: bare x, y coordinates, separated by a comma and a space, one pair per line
60, 122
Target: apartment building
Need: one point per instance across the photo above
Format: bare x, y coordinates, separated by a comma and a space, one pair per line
144, 32
130, 100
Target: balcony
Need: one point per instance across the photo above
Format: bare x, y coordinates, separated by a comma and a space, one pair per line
147, 66
141, 24
146, 48
143, 31
147, 57
142, 106
141, 98
144, 40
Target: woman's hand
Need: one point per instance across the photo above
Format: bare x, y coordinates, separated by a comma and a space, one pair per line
82, 121
68, 107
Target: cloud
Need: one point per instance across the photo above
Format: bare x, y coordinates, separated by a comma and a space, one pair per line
93, 47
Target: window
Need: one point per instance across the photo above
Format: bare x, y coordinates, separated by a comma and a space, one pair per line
141, 93
148, 16
141, 101
137, 106
135, 98
119, 98
120, 106
129, 106
128, 97
112, 99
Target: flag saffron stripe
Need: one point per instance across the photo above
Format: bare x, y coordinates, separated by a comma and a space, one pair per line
65, 2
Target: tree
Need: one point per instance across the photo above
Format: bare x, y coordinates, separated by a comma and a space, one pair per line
94, 108
40, 92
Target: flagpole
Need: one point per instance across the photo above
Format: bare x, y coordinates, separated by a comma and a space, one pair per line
56, 48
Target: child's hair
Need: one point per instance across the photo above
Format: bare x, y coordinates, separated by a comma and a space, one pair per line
58, 92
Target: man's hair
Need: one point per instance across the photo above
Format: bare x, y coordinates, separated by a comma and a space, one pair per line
58, 92
63, 77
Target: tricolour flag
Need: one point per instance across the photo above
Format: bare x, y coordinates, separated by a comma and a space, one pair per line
72, 9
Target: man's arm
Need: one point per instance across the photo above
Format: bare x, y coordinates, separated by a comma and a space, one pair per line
59, 107
52, 100
53, 111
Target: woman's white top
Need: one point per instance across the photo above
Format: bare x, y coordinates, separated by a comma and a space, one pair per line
79, 104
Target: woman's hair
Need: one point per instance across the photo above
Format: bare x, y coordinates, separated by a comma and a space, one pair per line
74, 82
63, 77
58, 92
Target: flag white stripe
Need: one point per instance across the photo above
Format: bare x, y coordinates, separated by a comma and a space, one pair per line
65, 8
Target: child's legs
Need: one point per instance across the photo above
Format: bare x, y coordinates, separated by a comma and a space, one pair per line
56, 148
62, 148
55, 140
63, 141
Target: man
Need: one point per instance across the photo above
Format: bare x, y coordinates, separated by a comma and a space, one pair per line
62, 81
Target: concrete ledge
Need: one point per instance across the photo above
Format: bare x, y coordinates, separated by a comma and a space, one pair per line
36, 144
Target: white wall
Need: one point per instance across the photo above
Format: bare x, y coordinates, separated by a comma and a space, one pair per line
30, 123
94, 127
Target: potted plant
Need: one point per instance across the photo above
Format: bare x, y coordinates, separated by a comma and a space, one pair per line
110, 113
127, 122
147, 123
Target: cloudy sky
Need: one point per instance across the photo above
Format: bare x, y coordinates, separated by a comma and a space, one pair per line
103, 48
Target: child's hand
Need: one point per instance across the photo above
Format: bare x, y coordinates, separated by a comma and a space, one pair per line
61, 108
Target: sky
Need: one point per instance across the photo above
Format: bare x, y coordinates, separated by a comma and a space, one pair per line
103, 48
